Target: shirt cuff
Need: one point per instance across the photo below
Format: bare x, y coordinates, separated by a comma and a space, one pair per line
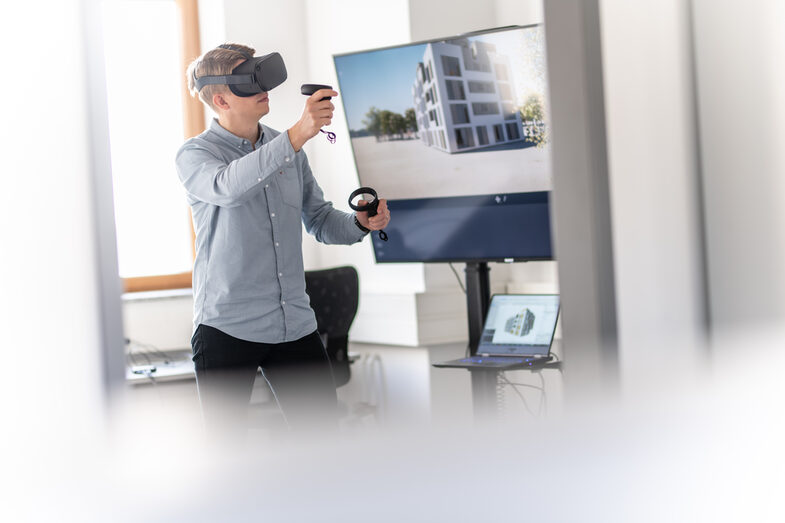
360, 226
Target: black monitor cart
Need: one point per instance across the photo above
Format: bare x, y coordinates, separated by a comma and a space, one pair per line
478, 299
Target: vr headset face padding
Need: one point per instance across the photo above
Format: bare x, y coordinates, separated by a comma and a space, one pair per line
253, 76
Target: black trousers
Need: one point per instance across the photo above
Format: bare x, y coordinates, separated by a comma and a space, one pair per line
298, 373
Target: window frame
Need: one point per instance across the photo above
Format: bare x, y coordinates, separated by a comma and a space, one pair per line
460, 111
485, 108
193, 124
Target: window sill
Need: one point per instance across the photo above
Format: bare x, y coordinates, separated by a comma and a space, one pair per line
156, 295
163, 282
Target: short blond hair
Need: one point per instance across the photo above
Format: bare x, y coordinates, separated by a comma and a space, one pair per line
216, 62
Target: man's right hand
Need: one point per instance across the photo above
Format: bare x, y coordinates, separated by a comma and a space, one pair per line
317, 114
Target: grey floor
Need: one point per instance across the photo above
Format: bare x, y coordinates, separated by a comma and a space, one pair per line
390, 386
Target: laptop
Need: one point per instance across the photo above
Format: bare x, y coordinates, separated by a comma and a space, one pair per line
518, 333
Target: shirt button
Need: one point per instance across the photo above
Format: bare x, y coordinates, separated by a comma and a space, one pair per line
272, 215
280, 274
283, 302
287, 158
277, 244
259, 180
280, 172
266, 186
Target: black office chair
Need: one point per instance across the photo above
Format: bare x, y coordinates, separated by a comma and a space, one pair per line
335, 294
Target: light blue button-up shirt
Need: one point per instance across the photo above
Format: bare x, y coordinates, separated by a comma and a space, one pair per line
247, 204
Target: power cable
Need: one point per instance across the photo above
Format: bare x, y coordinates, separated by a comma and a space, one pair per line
457, 277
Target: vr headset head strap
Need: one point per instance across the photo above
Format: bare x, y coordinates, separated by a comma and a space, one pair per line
228, 79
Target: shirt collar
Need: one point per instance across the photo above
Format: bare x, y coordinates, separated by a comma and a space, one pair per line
216, 128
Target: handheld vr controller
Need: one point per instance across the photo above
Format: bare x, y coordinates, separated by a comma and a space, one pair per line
308, 90
371, 206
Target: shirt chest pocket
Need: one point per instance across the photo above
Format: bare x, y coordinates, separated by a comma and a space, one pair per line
289, 187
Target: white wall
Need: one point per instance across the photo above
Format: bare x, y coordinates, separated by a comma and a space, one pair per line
741, 87
694, 128
52, 390
654, 185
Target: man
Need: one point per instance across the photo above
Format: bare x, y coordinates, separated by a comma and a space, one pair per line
249, 188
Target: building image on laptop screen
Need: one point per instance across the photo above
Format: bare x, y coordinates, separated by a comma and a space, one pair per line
521, 324
518, 321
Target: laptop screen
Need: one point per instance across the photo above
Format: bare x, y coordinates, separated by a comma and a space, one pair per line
520, 324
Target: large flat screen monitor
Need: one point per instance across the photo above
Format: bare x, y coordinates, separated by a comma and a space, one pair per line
452, 132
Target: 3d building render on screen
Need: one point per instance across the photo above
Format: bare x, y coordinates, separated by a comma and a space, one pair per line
453, 133
521, 324
464, 97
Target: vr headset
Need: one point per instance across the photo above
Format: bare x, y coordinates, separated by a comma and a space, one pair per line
253, 76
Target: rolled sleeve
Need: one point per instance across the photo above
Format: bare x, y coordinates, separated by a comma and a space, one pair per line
327, 224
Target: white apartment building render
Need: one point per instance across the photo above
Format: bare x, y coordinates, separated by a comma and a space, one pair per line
464, 97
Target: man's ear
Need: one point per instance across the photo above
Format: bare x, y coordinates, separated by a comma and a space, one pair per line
220, 102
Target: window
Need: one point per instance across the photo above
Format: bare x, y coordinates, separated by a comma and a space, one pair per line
455, 90
498, 132
460, 113
476, 86
482, 135
154, 231
433, 94
475, 56
512, 131
464, 137
434, 117
451, 66
479, 108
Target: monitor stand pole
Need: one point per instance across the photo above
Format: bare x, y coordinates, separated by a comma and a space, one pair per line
478, 298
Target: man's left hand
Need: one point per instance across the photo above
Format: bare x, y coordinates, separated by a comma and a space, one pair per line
375, 223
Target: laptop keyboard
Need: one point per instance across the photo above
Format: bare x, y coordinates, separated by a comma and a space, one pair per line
492, 359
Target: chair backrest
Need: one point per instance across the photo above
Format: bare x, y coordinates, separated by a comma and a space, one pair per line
335, 295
